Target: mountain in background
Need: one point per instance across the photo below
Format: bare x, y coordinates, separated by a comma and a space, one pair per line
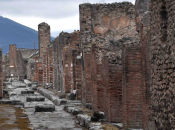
12, 32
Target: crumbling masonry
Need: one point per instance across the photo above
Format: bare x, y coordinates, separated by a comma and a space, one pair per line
121, 62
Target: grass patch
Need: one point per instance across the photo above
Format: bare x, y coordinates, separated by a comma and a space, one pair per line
110, 127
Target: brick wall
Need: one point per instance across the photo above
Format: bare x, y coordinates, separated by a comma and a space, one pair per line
107, 84
132, 87
113, 88
103, 24
72, 64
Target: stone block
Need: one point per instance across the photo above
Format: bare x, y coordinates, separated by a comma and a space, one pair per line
58, 102
71, 96
44, 108
27, 92
35, 99
21, 86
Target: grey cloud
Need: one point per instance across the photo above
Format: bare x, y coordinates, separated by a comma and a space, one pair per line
38, 8
45, 8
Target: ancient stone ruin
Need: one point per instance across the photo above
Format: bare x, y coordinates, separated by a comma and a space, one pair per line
120, 63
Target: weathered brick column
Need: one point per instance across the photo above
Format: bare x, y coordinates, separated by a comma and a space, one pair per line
71, 64
44, 67
43, 37
55, 57
50, 65
13, 60
143, 27
76, 63
63, 41
132, 87
67, 69
86, 42
112, 71
38, 70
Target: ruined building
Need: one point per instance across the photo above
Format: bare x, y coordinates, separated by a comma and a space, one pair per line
120, 62
101, 26
102, 63
67, 57
20, 62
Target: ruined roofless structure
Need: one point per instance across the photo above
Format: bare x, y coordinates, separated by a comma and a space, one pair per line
120, 63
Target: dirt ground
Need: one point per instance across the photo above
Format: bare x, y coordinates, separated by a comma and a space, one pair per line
12, 118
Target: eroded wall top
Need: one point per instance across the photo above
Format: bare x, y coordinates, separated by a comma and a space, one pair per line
101, 24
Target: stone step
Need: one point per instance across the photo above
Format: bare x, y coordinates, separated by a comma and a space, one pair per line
35, 98
27, 92
21, 86
45, 108
9, 101
13, 102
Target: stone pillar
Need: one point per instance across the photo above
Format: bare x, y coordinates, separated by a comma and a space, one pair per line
44, 37
13, 60
55, 57
132, 98
86, 43
143, 27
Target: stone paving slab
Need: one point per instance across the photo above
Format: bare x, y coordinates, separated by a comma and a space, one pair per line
57, 120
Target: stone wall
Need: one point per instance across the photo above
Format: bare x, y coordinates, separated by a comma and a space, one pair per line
6, 66
30, 65
106, 27
68, 59
102, 24
162, 63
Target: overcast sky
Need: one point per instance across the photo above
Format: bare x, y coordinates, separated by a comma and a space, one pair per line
61, 15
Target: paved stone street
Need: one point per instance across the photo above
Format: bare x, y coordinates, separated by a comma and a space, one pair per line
56, 120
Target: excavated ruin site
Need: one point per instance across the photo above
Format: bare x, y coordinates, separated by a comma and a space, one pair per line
116, 73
